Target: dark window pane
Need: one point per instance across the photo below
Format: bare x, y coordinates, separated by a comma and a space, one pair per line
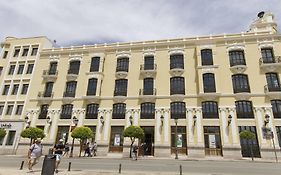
29, 68
240, 83
236, 57
53, 68
66, 111
95, 63
178, 110
267, 55
70, 89
149, 63
10, 138
43, 111
206, 57
92, 86
147, 110
92, 111
122, 64
273, 82
177, 85
12, 69
276, 108
119, 111
74, 67
244, 109
148, 86
176, 61
210, 109
209, 82
121, 87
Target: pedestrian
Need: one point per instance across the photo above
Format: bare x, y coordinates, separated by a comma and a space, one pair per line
95, 148
135, 152
87, 150
58, 151
66, 149
34, 153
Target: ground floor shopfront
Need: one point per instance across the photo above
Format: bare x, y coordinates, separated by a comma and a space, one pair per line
192, 137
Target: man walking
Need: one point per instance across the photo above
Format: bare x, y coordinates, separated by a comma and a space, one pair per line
59, 148
34, 153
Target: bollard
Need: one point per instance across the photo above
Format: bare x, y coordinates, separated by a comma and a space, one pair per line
69, 166
120, 168
21, 165
180, 170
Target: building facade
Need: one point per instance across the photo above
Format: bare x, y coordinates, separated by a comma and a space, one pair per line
192, 95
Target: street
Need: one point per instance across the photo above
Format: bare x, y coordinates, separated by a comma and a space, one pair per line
169, 166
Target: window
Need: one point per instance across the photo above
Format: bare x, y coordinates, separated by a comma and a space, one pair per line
267, 55
148, 86
29, 68
5, 54
10, 138
149, 63
95, 64
74, 67
276, 108
48, 89
1, 109
248, 145
236, 57
92, 86
25, 52
116, 139
181, 135
244, 109
178, 110
240, 83
1, 69
43, 111
53, 68
210, 109
20, 69
66, 111
19, 109
121, 87
207, 57
34, 51
15, 89
147, 111
177, 85
209, 82
12, 69
9, 109
16, 52
278, 133
273, 82
122, 64
6, 90
176, 61
24, 89
119, 111
92, 111
70, 89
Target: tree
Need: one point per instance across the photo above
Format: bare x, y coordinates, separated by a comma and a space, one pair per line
32, 133
82, 133
2, 133
133, 132
248, 135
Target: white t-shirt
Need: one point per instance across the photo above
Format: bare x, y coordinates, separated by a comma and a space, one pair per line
36, 150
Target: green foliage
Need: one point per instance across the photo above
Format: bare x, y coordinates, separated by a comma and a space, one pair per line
133, 132
33, 133
82, 133
247, 135
2, 133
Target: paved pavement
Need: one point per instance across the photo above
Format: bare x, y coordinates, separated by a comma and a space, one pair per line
9, 165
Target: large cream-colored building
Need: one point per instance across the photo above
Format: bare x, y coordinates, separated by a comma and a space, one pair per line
210, 88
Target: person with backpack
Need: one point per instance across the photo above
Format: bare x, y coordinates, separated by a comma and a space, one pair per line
58, 151
34, 153
135, 152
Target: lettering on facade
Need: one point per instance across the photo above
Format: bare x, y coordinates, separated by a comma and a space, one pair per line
6, 125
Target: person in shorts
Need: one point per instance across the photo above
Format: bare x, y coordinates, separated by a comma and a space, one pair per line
58, 151
34, 153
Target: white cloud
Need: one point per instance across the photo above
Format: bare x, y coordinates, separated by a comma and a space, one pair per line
80, 21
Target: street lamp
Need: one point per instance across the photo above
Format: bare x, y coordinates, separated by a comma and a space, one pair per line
131, 120
229, 120
266, 120
75, 121
49, 120
102, 120
194, 120
162, 120
176, 136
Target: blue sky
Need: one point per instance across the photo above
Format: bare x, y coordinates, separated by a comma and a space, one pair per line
77, 22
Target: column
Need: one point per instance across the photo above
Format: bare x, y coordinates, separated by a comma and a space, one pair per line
191, 126
106, 125
33, 117
233, 125
260, 124
53, 129
224, 126
166, 126
80, 116
99, 128
129, 113
136, 114
199, 126
158, 126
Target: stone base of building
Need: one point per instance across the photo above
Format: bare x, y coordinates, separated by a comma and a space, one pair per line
268, 153
196, 151
102, 149
162, 151
232, 152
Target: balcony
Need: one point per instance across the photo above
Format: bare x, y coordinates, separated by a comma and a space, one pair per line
209, 96
91, 98
45, 97
68, 97
176, 70
148, 70
119, 96
272, 92
238, 69
270, 65
177, 95
121, 73
72, 75
147, 95
50, 75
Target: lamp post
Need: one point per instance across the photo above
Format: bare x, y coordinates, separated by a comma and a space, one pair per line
75, 121
176, 138
266, 120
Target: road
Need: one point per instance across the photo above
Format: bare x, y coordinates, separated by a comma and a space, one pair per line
169, 166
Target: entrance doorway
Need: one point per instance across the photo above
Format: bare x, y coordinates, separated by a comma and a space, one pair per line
212, 139
146, 145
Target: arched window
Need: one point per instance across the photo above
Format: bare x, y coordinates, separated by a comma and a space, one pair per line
210, 109
240, 83
119, 111
178, 110
207, 57
177, 85
244, 109
92, 111
209, 82
176, 61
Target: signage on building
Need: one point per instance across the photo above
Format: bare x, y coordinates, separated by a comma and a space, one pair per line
179, 141
117, 139
6, 125
212, 141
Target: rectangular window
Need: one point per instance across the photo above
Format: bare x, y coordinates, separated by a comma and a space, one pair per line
236, 57
15, 89
276, 108
53, 68
34, 51
95, 63
121, 87
6, 90
181, 140
25, 52
24, 89
29, 68
5, 54
12, 69
119, 111
1, 109
20, 69
147, 110
19, 109
209, 82
148, 86
149, 63
207, 57
9, 109
210, 109
48, 89
43, 111
116, 139
122, 64
16, 52
273, 84
1, 69
70, 89
244, 109
240, 83
251, 144
74, 67
10, 138
178, 110
176, 61
177, 85
267, 55
278, 132
92, 86
92, 111
66, 111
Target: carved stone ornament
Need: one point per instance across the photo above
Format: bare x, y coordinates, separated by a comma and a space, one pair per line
121, 54
238, 69
176, 72
176, 50
121, 75
148, 73
91, 99
209, 96
119, 99
75, 57
147, 98
235, 46
242, 96
177, 97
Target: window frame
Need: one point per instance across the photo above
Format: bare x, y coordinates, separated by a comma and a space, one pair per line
92, 110
147, 110
276, 108
121, 87
30, 68
210, 110
209, 83
95, 64
240, 83
244, 109
178, 110
66, 111
122, 64
236, 57
119, 111
177, 85
207, 57
177, 61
